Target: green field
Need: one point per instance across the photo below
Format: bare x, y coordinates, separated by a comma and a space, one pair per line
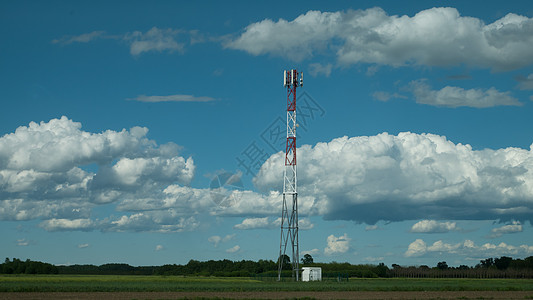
131, 283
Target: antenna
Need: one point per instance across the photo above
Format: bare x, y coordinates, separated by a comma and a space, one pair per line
289, 221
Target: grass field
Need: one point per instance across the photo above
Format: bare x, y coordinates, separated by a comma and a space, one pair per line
130, 283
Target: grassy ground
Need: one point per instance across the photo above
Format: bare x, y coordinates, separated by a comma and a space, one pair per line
103, 283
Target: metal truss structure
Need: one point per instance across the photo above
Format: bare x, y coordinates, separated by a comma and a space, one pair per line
289, 211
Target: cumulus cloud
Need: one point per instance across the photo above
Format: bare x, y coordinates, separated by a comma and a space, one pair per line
233, 249
216, 240
452, 96
156, 221
514, 227
416, 176
42, 177
68, 225
266, 223
253, 223
438, 36
337, 245
419, 247
466, 248
432, 226
172, 98
305, 224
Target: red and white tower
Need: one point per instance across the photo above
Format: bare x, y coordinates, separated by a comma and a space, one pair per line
289, 211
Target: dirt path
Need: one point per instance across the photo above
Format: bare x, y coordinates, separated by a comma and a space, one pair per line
276, 295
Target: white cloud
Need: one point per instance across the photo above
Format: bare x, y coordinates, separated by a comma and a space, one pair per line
172, 98
432, 226
42, 175
297, 39
253, 223
216, 240
437, 36
415, 176
451, 96
159, 247
265, 223
66, 224
316, 69
416, 248
371, 227
468, 248
419, 247
155, 39
233, 249
81, 246
305, 224
82, 38
337, 245
311, 252
23, 242
514, 227
156, 221
381, 96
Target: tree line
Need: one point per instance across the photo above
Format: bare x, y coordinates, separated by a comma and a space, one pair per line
502, 267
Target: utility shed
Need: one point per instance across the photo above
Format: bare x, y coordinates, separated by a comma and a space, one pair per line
311, 274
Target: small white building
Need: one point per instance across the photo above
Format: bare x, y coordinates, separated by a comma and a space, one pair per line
311, 274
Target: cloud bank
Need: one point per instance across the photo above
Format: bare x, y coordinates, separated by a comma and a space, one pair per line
467, 248
438, 36
414, 176
57, 173
45, 173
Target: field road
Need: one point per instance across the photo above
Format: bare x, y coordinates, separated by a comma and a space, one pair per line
275, 295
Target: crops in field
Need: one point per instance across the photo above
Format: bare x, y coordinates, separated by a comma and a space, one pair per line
128, 283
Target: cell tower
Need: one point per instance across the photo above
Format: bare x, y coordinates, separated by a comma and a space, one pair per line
289, 210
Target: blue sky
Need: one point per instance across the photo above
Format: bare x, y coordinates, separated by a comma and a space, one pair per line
148, 133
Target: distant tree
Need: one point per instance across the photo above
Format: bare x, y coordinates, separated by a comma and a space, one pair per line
381, 270
528, 262
503, 262
487, 263
442, 265
285, 260
308, 259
